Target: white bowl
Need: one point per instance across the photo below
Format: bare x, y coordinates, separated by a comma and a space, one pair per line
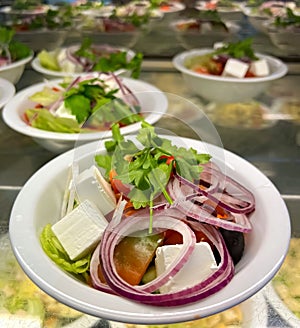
14, 71
227, 89
51, 74
191, 39
153, 104
7, 91
39, 203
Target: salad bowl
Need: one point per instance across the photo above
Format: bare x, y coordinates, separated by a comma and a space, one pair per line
218, 88
153, 104
14, 71
39, 203
39, 66
205, 35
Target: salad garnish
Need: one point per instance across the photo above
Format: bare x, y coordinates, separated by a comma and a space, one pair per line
85, 104
148, 171
10, 49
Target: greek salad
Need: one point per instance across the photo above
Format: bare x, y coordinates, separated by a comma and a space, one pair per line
86, 103
139, 221
233, 60
88, 57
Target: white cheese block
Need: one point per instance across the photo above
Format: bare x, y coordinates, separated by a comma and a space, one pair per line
260, 67
235, 68
18, 321
62, 111
91, 185
199, 266
81, 230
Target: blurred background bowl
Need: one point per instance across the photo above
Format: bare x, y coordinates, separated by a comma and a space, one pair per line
205, 36
51, 74
40, 39
14, 71
227, 89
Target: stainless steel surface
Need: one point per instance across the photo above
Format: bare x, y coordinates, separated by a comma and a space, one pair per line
273, 150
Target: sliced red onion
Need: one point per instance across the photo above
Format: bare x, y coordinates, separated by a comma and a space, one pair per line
231, 187
210, 285
195, 209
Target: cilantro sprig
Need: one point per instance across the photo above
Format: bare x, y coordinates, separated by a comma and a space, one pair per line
148, 169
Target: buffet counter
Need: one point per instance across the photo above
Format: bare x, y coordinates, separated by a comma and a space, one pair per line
272, 145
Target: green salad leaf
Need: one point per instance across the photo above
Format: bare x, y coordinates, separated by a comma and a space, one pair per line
53, 248
44, 120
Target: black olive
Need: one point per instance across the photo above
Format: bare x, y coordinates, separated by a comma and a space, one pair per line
235, 243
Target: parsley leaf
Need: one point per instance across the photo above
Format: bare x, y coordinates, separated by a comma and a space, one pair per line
145, 169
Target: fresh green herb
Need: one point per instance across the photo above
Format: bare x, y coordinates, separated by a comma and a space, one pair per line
148, 170
240, 49
110, 62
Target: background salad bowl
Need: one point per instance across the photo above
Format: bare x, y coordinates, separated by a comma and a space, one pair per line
44, 66
39, 203
13, 72
153, 104
217, 88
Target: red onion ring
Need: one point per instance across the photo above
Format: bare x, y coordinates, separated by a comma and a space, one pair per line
210, 285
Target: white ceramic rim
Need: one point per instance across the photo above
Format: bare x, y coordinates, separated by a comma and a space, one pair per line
36, 65
250, 276
178, 62
7, 91
13, 120
17, 63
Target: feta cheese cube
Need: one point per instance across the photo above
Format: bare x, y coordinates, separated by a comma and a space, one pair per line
91, 185
235, 68
199, 266
260, 68
81, 230
62, 111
